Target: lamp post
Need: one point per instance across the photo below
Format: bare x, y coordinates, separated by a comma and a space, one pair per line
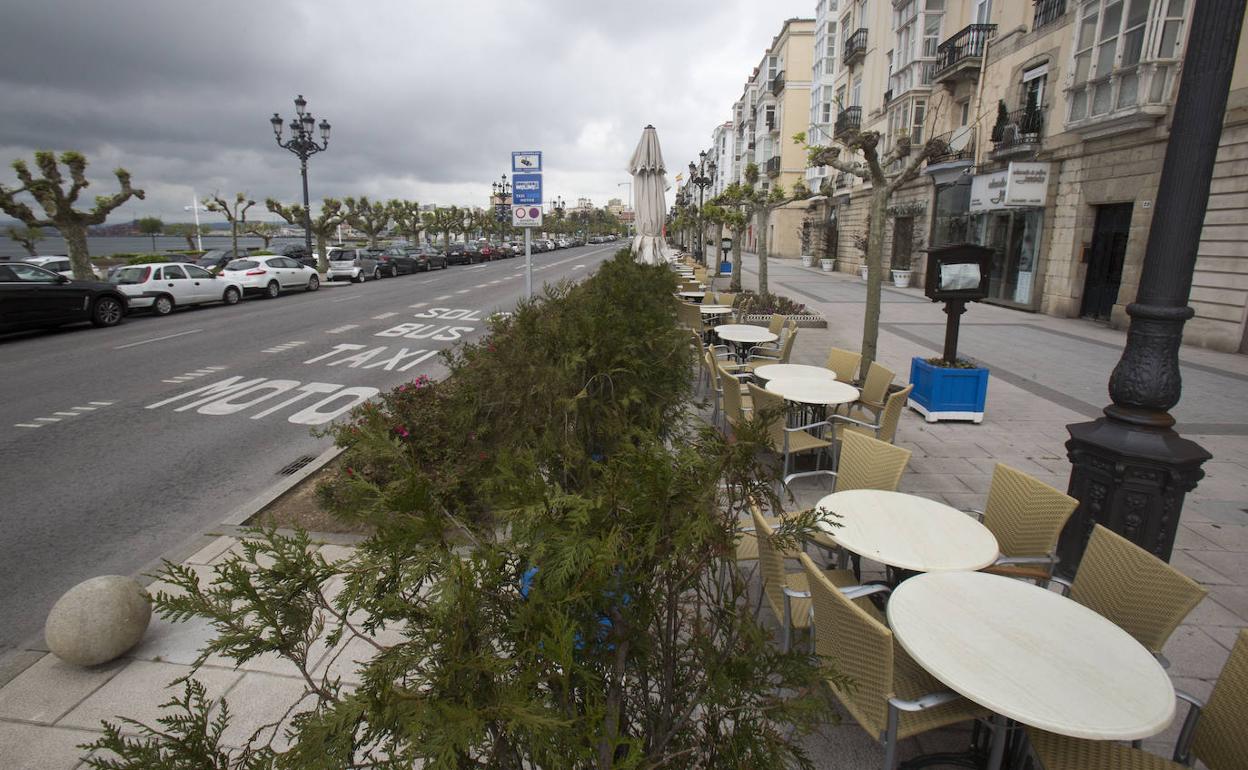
502, 198
701, 175
303, 144
558, 205
629, 185
1131, 470
199, 238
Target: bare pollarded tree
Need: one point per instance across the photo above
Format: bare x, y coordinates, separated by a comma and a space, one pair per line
236, 215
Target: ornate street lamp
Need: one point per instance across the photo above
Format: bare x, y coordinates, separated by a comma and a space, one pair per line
303, 144
502, 200
701, 175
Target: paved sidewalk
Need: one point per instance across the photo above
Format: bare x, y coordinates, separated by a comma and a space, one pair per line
1046, 373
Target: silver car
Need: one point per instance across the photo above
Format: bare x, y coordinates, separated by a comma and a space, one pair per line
356, 265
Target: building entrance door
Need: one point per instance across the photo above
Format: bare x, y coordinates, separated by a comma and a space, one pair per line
1109, 247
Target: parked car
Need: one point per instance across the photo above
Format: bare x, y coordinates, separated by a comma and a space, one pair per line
163, 286
562, 243
31, 297
487, 252
397, 260
215, 260
299, 253
269, 275
353, 265
58, 264
426, 258
463, 254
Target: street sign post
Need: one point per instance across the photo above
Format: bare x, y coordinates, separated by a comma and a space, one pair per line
526, 199
526, 189
526, 162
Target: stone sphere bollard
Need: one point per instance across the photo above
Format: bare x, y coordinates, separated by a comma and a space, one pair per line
98, 620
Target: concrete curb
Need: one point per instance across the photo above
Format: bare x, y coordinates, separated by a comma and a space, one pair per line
241, 514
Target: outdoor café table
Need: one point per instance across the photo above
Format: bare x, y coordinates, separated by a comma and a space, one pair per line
908, 532
790, 371
712, 314
692, 296
1031, 655
742, 336
812, 397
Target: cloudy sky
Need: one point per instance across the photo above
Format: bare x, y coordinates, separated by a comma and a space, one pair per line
427, 99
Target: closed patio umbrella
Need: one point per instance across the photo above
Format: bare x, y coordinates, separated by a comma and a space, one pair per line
649, 183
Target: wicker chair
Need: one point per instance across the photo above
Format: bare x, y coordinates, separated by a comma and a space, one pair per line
788, 593
1213, 733
789, 441
885, 426
736, 404
1026, 516
875, 387
866, 463
1140, 593
761, 356
844, 363
891, 697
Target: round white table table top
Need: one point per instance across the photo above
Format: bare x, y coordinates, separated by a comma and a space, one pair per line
1032, 655
692, 294
745, 333
908, 531
714, 309
808, 390
794, 371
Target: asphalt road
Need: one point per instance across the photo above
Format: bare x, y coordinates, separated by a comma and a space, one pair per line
119, 445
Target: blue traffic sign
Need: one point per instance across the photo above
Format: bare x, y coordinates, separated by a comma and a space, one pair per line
526, 162
526, 189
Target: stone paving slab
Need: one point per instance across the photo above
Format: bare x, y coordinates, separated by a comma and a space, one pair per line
39, 747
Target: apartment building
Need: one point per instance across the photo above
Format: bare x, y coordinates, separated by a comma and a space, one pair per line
1056, 113
722, 151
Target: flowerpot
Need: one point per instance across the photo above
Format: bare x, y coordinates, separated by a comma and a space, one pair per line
828, 265
901, 278
808, 260
945, 393
862, 270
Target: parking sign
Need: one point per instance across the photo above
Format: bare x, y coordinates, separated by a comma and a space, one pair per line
526, 216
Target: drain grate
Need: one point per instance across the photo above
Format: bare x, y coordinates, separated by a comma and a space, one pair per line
294, 467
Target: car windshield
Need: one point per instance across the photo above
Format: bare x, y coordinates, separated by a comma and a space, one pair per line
242, 264
131, 275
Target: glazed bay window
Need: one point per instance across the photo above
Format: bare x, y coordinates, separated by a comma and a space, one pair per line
1126, 57
917, 32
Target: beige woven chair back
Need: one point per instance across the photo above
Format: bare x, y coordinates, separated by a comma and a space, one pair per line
769, 406
875, 386
1140, 593
890, 415
725, 298
770, 562
869, 464
1025, 514
858, 645
786, 347
1221, 739
776, 323
731, 389
844, 363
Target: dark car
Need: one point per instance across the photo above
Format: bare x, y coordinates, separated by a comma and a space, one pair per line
463, 254
426, 258
506, 250
31, 297
216, 259
397, 260
299, 253
487, 252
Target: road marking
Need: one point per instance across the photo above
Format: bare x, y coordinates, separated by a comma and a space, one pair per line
495, 283
343, 328
284, 346
84, 408
215, 368
101, 403
480, 286
66, 414
27, 425
418, 305
463, 291
478, 267
47, 419
384, 316
577, 267
344, 299
157, 339
438, 299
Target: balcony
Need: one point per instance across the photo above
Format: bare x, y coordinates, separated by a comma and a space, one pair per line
777, 84
848, 121
888, 96
773, 167
855, 47
959, 57
1017, 133
1047, 12
1128, 99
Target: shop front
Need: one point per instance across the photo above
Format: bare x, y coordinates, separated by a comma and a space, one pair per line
1007, 215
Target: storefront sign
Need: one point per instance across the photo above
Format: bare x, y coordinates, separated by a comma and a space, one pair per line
987, 192
1027, 184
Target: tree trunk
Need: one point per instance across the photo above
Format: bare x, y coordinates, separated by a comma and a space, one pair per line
735, 283
75, 236
234, 236
875, 255
372, 240
190, 242
322, 251
764, 223
718, 246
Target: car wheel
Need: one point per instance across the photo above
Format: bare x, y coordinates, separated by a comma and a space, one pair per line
108, 311
358, 277
314, 283
394, 271
163, 305
231, 296
272, 290
376, 273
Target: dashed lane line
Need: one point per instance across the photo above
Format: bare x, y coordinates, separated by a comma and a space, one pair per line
480, 286
193, 375
384, 316
439, 299
463, 291
157, 339
344, 299
343, 328
77, 411
418, 305
284, 346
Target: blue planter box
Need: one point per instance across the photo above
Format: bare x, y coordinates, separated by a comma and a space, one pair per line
947, 394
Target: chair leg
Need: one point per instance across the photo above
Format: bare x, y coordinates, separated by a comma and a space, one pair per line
785, 638
890, 739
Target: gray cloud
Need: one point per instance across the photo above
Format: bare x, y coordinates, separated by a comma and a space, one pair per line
427, 99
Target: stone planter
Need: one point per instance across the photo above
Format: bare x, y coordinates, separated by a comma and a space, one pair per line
808, 260
807, 320
901, 278
942, 393
828, 265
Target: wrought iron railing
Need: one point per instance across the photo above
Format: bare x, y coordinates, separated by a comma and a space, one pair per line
855, 44
1047, 12
1017, 129
847, 120
888, 96
967, 43
777, 84
773, 166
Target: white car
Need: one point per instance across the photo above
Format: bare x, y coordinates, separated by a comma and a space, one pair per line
163, 286
270, 275
57, 264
